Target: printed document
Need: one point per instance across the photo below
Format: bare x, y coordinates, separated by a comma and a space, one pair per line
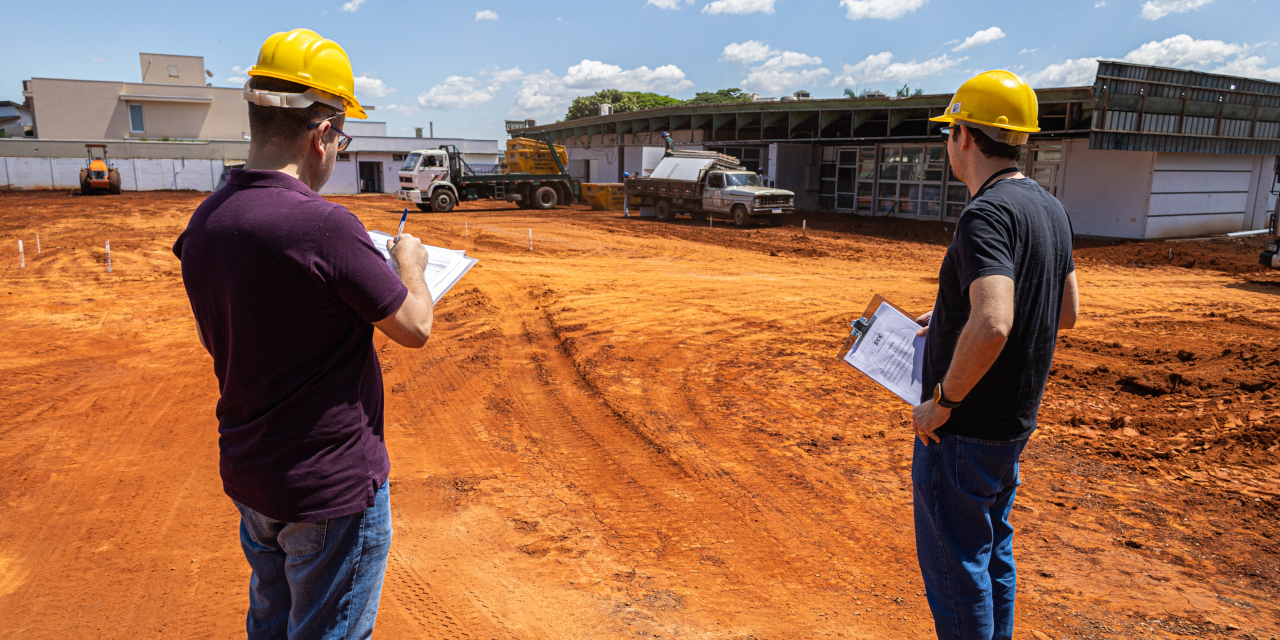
445, 267
890, 353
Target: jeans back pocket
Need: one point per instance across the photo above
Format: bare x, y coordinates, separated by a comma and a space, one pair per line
984, 468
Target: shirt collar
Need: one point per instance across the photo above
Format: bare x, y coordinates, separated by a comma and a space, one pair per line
269, 178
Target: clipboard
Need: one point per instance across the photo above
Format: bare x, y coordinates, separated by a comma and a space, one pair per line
858, 328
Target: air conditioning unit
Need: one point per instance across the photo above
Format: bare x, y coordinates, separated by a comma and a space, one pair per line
606, 109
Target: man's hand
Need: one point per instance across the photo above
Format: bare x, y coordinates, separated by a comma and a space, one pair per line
410, 325
408, 255
926, 419
923, 321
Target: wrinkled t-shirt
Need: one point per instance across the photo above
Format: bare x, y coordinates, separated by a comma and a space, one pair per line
1017, 229
284, 286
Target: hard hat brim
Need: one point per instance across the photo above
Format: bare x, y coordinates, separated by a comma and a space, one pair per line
949, 119
353, 108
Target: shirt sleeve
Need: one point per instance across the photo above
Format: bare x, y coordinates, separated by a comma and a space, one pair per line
986, 243
346, 260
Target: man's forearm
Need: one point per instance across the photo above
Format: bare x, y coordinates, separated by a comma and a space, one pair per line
976, 351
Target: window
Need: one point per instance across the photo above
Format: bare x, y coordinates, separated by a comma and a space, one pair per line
742, 180
716, 181
911, 180
136, 124
411, 162
397, 157
173, 71
344, 156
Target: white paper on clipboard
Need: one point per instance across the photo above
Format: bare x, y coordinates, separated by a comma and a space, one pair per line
445, 267
891, 353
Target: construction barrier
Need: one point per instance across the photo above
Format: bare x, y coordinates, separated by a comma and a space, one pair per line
607, 196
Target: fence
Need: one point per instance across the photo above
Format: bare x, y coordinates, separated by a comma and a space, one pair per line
136, 174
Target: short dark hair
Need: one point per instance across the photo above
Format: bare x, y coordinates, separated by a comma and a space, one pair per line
276, 124
990, 148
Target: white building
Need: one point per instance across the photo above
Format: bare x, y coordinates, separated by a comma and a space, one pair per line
15, 120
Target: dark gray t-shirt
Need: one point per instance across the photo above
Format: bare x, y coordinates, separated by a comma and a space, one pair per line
1014, 228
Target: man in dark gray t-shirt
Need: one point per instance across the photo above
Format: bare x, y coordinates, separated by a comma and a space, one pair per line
1005, 288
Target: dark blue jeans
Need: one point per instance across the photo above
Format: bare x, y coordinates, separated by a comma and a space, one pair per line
316, 580
963, 491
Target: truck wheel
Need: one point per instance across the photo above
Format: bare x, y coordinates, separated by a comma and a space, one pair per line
424, 206
740, 217
442, 201
544, 198
113, 181
776, 221
662, 209
85, 189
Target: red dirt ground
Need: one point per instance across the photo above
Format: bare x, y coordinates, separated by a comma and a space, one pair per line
640, 430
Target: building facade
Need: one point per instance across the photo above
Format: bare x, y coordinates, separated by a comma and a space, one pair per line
1145, 152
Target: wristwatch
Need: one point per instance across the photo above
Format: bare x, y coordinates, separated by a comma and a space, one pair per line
941, 400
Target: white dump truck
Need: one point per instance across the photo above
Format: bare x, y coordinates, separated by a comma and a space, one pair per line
438, 179
702, 183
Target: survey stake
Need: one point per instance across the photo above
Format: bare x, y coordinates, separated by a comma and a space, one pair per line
445, 267
884, 346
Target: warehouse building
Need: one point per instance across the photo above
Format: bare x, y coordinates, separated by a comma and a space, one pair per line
173, 130
1146, 152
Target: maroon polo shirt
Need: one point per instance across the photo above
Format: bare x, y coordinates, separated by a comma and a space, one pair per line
284, 286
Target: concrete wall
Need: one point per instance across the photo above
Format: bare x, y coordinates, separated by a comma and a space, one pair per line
603, 163
1106, 193
155, 69
92, 110
138, 174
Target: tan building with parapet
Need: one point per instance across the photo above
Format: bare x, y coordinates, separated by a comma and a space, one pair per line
173, 102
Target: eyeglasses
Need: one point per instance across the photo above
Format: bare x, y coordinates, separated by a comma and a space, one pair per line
948, 130
344, 140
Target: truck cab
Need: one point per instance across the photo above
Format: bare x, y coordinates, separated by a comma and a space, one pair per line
425, 180
740, 193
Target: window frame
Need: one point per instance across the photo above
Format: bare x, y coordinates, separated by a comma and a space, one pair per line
142, 117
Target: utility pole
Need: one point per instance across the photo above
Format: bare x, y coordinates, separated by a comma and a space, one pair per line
433, 128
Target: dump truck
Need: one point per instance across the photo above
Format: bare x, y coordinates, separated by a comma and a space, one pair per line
701, 183
437, 179
1270, 256
98, 176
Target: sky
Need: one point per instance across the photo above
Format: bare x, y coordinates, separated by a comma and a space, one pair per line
468, 66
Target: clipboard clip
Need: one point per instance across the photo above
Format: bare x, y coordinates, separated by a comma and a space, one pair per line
859, 328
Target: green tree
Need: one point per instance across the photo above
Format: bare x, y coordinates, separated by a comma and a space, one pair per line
906, 91
732, 94
653, 100
588, 106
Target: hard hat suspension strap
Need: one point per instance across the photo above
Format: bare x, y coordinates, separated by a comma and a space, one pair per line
292, 100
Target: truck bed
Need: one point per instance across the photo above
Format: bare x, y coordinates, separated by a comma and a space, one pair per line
660, 188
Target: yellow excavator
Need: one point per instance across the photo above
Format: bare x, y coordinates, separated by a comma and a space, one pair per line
97, 177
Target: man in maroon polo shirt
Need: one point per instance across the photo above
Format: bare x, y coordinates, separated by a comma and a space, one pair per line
286, 289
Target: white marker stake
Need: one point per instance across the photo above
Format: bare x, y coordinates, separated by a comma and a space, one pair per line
804, 228
22, 257
531, 239
108, 256
466, 229
711, 223
37, 244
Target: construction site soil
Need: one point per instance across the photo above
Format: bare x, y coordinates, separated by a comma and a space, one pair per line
640, 429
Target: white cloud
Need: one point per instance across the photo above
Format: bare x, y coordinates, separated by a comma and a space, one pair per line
739, 6
882, 9
545, 93
96, 59
1099, 4
402, 109
1180, 51
669, 5
777, 71
1156, 9
241, 70
351, 6
1068, 73
747, 52
456, 92
986, 36
369, 86
503, 76
1250, 67
1184, 51
1026, 51
486, 15
236, 80
881, 68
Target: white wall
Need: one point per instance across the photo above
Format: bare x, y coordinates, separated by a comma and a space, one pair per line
141, 174
1106, 193
1197, 194
604, 162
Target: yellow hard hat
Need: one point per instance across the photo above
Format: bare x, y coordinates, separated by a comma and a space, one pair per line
996, 100
305, 57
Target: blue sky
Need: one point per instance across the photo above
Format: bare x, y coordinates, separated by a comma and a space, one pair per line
467, 66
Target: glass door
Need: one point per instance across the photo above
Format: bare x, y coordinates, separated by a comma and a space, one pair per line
911, 180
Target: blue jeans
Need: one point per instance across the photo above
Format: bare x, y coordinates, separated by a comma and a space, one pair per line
316, 580
963, 492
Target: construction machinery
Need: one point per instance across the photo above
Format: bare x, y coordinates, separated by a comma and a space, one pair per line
437, 179
1270, 256
702, 183
532, 156
98, 176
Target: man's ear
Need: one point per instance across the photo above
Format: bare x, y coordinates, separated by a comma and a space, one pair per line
316, 141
